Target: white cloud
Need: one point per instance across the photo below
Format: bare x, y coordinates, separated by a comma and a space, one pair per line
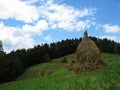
65, 17
38, 28
48, 38
18, 10
14, 38
111, 28
81, 25
46, 16
31, 1
57, 15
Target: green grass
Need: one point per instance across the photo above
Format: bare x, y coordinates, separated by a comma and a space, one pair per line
61, 79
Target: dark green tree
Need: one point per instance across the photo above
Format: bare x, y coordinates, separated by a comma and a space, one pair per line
117, 48
111, 47
1, 46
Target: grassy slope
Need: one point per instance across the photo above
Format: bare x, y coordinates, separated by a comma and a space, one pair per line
61, 79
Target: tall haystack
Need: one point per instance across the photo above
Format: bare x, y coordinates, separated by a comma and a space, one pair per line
88, 56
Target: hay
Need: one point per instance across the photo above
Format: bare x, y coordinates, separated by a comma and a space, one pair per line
50, 72
88, 56
41, 73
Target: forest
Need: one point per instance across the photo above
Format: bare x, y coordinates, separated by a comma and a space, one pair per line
14, 63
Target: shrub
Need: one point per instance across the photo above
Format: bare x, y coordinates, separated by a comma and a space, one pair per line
72, 61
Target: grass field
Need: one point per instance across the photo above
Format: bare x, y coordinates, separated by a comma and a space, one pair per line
61, 79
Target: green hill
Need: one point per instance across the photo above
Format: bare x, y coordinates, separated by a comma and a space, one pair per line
61, 79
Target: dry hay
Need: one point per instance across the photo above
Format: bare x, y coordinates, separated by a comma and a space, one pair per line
69, 67
88, 56
50, 72
41, 73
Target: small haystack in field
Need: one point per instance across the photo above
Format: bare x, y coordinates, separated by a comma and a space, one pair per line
41, 73
88, 56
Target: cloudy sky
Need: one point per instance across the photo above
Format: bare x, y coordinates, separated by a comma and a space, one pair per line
25, 23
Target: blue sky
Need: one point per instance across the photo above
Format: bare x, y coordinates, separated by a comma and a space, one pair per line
25, 23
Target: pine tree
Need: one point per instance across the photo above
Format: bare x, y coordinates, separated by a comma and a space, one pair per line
1, 46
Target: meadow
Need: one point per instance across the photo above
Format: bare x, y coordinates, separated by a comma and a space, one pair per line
61, 79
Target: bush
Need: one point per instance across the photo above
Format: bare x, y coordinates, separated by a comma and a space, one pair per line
72, 61
9, 68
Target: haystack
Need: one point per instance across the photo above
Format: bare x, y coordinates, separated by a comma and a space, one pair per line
88, 56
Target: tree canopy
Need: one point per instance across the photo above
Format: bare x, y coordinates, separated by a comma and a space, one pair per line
14, 63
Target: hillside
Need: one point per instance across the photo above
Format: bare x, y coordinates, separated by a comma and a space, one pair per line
61, 79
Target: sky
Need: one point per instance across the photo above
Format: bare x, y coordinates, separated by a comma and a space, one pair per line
25, 23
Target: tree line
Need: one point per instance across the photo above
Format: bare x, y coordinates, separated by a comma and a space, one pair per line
14, 63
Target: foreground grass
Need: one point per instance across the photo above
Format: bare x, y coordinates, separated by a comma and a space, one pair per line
61, 79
